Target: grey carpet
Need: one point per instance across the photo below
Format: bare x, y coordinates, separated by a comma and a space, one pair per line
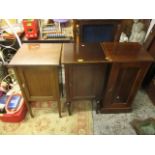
119, 124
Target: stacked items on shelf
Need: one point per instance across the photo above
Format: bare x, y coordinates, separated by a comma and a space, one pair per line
52, 31
56, 30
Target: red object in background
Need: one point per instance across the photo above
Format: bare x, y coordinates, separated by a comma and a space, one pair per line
17, 116
31, 28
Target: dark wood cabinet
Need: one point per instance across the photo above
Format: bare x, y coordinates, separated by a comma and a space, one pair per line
123, 83
149, 45
110, 72
84, 71
37, 69
129, 64
149, 80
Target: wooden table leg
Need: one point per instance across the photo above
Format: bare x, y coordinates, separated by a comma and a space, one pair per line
98, 106
69, 107
59, 108
29, 108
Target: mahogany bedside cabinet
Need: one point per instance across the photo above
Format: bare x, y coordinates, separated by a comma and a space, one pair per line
128, 65
84, 71
37, 70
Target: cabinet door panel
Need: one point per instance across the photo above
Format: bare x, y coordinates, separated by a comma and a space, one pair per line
39, 82
124, 81
86, 80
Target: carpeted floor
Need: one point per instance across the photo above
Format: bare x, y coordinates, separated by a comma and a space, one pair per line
83, 120
47, 121
119, 124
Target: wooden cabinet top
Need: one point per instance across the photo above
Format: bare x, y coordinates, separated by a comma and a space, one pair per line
125, 52
37, 54
75, 53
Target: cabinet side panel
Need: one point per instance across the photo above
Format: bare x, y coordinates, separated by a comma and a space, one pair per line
40, 82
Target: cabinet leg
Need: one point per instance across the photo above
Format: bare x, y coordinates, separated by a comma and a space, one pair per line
62, 92
69, 108
31, 113
98, 106
29, 109
59, 108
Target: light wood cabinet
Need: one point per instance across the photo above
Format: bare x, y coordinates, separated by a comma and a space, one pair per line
37, 69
